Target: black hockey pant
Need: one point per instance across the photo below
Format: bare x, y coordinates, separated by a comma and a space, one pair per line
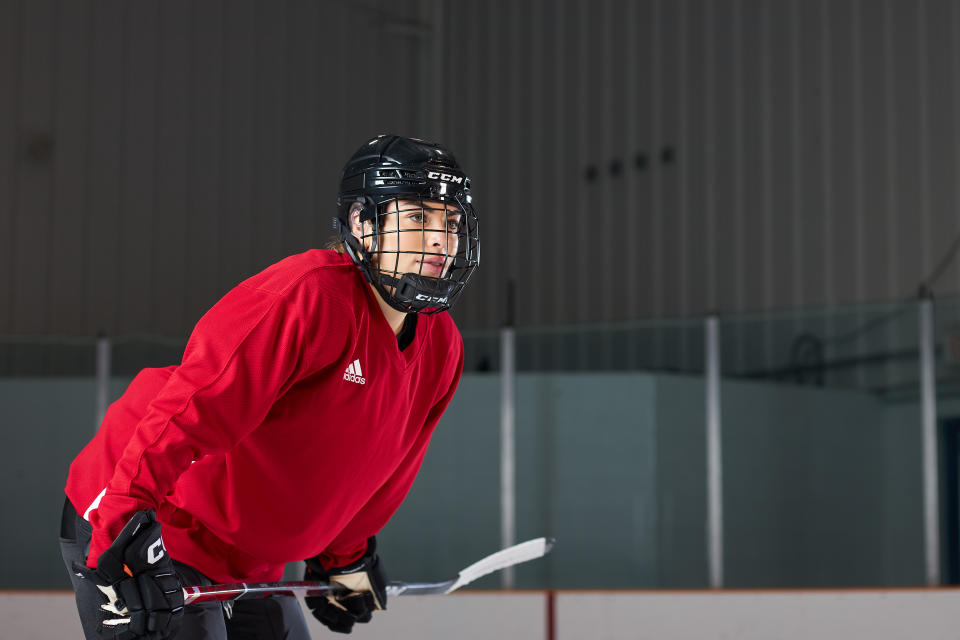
275, 618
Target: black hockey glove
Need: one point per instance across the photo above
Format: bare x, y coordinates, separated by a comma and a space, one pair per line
364, 590
143, 597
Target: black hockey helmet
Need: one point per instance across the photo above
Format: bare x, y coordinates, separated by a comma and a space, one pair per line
390, 172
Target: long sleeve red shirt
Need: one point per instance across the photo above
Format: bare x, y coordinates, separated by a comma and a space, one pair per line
293, 427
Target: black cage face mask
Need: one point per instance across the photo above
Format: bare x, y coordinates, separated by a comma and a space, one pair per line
419, 252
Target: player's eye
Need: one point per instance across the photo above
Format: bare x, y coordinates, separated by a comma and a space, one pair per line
453, 225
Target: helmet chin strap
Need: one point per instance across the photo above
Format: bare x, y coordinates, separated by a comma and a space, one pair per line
414, 293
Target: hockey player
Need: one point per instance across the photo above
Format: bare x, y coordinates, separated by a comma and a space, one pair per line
294, 425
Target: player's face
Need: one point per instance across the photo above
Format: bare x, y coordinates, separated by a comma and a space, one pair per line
419, 239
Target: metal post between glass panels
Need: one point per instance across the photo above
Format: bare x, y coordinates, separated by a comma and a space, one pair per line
103, 380
928, 401
507, 439
714, 460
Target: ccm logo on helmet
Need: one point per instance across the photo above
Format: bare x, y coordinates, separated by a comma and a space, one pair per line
446, 177
425, 298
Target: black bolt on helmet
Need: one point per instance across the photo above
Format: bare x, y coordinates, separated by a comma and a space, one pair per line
419, 241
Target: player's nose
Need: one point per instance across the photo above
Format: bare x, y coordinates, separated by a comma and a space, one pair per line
435, 237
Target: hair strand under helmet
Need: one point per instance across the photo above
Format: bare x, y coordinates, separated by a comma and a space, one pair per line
390, 169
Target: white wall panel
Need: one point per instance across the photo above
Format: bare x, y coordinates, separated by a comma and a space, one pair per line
746, 615
830, 615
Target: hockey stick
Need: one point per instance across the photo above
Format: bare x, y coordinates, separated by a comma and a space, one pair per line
529, 550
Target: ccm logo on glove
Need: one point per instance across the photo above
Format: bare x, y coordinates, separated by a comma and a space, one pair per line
141, 594
155, 552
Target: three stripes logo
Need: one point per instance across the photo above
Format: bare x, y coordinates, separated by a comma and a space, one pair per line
354, 373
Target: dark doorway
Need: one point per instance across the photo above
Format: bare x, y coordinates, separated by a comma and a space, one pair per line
950, 501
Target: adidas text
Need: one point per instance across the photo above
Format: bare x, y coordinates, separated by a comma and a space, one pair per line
354, 373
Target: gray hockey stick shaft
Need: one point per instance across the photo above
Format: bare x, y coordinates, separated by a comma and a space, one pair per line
523, 552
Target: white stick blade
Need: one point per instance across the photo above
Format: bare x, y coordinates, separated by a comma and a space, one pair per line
529, 550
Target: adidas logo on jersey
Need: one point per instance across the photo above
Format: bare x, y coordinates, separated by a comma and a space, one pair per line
353, 373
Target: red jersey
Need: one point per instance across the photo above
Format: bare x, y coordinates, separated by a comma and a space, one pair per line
293, 427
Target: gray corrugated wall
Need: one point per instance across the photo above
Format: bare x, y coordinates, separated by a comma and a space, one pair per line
816, 152
154, 153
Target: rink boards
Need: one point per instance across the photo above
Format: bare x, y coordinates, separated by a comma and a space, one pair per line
665, 615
